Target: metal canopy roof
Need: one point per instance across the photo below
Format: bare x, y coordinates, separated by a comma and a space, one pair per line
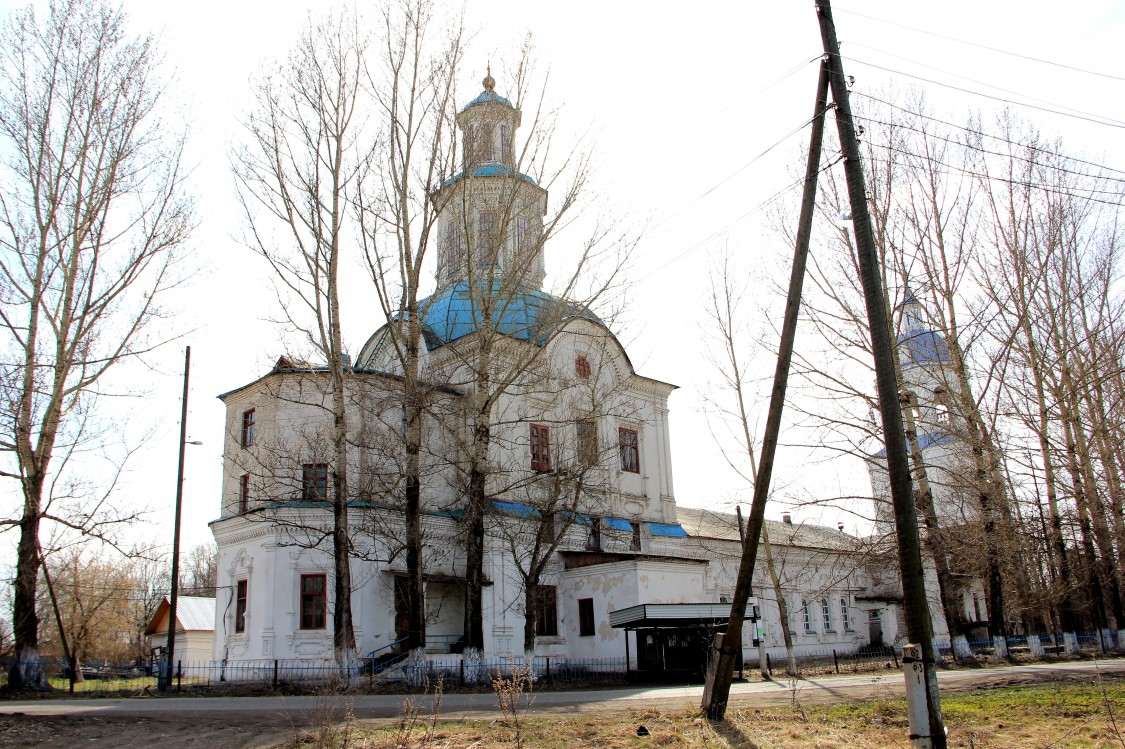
653, 615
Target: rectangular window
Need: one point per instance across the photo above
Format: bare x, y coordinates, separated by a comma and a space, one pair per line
594, 537
240, 606
485, 143
521, 233
506, 144
826, 615
546, 611
244, 493
314, 601
587, 433
630, 452
635, 542
248, 428
451, 250
585, 617
314, 482
806, 617
845, 615
540, 448
486, 237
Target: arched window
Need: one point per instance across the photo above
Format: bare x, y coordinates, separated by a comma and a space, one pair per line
943, 405
505, 144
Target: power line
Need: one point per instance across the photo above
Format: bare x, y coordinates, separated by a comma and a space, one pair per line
731, 223
984, 46
995, 178
986, 134
985, 84
1017, 157
1096, 119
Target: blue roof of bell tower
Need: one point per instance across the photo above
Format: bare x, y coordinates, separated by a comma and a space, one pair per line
488, 97
918, 343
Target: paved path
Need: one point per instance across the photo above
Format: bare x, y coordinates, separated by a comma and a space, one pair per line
291, 710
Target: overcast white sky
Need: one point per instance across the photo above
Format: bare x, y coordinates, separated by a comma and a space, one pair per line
678, 99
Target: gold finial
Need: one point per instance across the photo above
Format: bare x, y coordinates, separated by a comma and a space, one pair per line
489, 82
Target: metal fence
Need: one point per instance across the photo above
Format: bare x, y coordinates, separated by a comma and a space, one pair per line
296, 676
829, 660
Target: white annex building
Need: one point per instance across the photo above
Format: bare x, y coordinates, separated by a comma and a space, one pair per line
633, 575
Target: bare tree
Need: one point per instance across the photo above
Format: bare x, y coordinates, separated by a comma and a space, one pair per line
92, 212
412, 81
199, 573
308, 146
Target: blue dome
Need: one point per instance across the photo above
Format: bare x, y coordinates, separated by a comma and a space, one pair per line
489, 97
527, 314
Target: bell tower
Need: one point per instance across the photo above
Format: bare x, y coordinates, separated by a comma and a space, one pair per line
490, 224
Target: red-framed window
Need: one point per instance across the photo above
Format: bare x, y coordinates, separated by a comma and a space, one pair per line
630, 450
582, 366
585, 617
540, 447
248, 428
240, 591
244, 493
587, 433
546, 611
314, 481
314, 601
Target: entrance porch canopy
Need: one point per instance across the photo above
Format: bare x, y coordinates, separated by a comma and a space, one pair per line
678, 615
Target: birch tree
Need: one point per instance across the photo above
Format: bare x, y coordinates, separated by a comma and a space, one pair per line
308, 146
92, 215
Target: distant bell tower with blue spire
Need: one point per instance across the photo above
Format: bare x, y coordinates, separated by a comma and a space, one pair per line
490, 224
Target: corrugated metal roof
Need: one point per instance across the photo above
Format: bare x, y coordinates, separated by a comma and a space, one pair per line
196, 613
718, 525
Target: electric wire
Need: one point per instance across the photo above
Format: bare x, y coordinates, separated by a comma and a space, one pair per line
951, 169
734, 221
983, 46
683, 207
983, 133
1029, 97
1096, 119
976, 149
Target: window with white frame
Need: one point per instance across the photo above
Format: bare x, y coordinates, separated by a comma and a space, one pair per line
826, 615
806, 617
845, 614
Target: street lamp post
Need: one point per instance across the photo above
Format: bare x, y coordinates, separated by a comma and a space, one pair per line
170, 649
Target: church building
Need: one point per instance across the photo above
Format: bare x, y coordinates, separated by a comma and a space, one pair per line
582, 524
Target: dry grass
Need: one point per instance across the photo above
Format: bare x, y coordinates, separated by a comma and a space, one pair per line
1054, 715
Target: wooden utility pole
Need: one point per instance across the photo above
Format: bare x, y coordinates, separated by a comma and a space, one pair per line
170, 649
916, 608
720, 671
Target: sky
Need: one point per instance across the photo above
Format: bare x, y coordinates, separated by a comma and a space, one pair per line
694, 112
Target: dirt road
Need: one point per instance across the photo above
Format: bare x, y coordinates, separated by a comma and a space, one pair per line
258, 722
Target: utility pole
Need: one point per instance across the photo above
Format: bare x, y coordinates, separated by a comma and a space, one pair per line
170, 649
916, 608
720, 671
